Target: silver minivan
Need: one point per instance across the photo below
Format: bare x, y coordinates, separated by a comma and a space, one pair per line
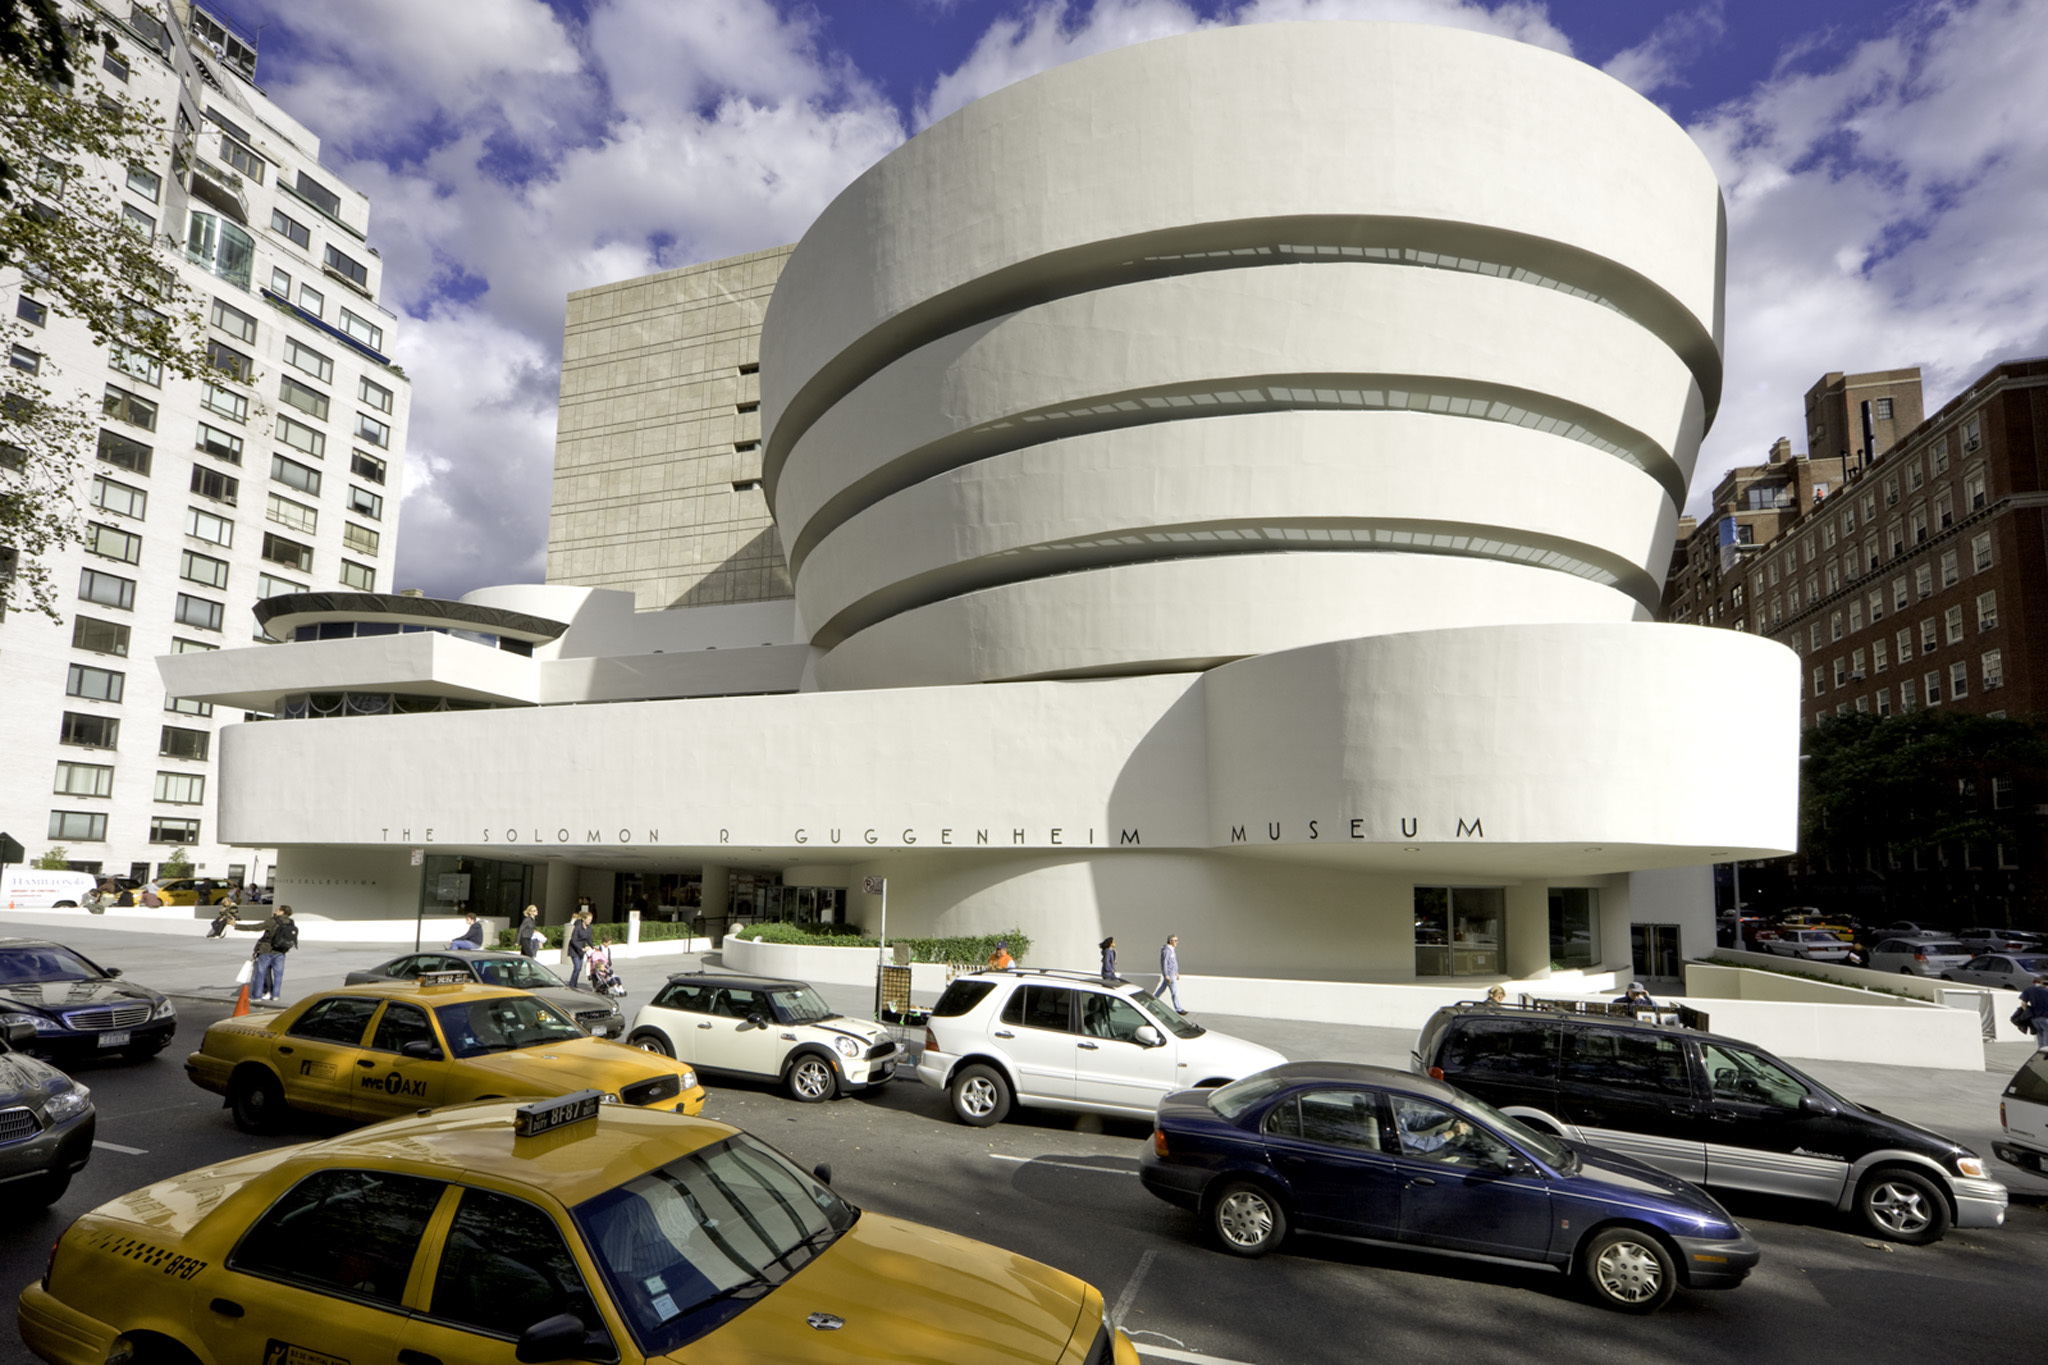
1919, 955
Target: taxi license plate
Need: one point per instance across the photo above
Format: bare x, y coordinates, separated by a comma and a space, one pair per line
116, 1039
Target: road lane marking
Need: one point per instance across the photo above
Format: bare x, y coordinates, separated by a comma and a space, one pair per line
1189, 1357
1123, 1300
1053, 1161
117, 1147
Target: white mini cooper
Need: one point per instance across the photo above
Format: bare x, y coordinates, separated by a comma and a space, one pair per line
761, 1027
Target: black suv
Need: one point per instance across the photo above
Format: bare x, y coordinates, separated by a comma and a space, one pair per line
1713, 1110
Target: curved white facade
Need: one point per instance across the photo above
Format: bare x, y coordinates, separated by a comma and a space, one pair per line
1343, 290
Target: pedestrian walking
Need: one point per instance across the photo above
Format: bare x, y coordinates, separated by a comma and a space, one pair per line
1109, 958
279, 937
2034, 1000
1169, 971
531, 939
578, 941
471, 939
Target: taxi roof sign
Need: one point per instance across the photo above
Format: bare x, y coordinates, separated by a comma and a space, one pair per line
545, 1116
445, 978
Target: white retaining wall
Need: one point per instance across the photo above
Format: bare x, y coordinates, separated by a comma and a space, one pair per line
1806, 1019
838, 966
1931, 989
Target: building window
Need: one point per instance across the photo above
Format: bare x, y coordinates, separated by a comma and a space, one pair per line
366, 503
363, 330
1841, 674
361, 577
1928, 637
268, 586
84, 779
1940, 455
184, 646
113, 543
1835, 626
198, 611
233, 321
370, 429
1909, 695
241, 158
94, 684
1905, 641
1884, 701
1919, 525
289, 553
366, 466
281, 284
373, 395
211, 483
1953, 620
1876, 607
1827, 536
1863, 706
101, 637
1882, 409
312, 300
143, 224
1880, 652
208, 527
1820, 681
1891, 492
292, 474
299, 436
1855, 617
183, 707
1973, 434
109, 590
178, 742
1914, 479
1987, 611
303, 397
1856, 665
1973, 490
1932, 682
77, 826
1574, 927
1992, 667
1958, 680
1923, 580
1950, 575
222, 445
119, 499
204, 570
303, 357
221, 247
293, 231
181, 789
132, 408
361, 539
30, 311
347, 267
167, 831
1944, 510
230, 361
1980, 553
90, 732
295, 515
1813, 636
224, 401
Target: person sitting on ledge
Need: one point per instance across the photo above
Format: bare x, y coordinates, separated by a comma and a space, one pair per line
471, 937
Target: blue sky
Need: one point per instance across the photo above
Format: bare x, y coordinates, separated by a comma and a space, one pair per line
1885, 166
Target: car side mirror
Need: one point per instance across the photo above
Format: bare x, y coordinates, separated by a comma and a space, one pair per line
19, 1036
111, 971
757, 1021
823, 1170
1148, 1036
561, 1337
1517, 1164
1814, 1104
426, 1052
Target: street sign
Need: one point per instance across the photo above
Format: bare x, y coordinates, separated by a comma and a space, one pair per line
874, 886
10, 851
419, 855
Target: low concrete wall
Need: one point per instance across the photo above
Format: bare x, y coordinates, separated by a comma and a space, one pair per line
1826, 1022
1371, 1004
839, 966
1930, 989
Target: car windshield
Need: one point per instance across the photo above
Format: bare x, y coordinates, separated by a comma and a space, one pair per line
519, 973
1547, 1149
697, 1242
801, 1006
1169, 1018
2032, 964
45, 962
501, 1024
1240, 1097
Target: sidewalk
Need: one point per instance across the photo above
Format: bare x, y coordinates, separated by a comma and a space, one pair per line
181, 961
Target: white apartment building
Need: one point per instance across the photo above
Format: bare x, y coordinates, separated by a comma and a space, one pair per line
279, 475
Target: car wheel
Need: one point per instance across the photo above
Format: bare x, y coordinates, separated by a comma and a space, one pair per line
1903, 1206
810, 1078
256, 1103
648, 1040
1905, 971
1247, 1219
981, 1096
1628, 1270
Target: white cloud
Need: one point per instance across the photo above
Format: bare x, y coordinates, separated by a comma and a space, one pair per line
1654, 63
1883, 212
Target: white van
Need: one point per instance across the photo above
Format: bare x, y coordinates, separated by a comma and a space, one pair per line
31, 888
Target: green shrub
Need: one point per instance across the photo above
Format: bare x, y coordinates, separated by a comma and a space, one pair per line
650, 931
973, 951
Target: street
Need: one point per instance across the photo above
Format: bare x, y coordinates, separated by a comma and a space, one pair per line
1063, 1189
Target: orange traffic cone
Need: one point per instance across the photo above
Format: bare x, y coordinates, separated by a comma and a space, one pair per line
241, 1003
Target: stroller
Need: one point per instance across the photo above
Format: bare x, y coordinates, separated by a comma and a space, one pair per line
603, 980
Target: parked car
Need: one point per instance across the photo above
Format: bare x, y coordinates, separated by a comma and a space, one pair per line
77, 1007
46, 1124
1919, 955
1834, 926
1070, 1040
1372, 1155
192, 891
564, 1230
1906, 928
1998, 969
766, 1029
1988, 940
599, 1015
2023, 1117
1816, 945
32, 888
1714, 1110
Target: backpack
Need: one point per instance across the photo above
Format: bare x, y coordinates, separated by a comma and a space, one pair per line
284, 937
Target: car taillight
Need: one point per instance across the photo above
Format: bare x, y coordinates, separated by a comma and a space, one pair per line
2001, 1124
931, 1041
1919, 956
1436, 1073
1159, 1141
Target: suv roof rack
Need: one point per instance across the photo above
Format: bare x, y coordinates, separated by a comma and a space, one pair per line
1063, 973
1684, 1016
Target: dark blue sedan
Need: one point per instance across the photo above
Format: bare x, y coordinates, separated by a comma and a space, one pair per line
1372, 1155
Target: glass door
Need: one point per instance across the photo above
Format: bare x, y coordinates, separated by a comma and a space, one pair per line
1459, 930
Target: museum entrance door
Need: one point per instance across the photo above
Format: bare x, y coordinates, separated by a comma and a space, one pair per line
1460, 930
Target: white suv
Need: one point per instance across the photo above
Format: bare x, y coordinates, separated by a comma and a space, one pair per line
766, 1028
2023, 1117
1067, 1040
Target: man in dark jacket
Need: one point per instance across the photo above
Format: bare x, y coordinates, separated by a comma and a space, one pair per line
2034, 1000
578, 941
471, 937
279, 937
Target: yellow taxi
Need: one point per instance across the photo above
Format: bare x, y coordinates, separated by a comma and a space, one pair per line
372, 1052
560, 1230
192, 891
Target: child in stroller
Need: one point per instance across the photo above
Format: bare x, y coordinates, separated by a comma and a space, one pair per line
603, 980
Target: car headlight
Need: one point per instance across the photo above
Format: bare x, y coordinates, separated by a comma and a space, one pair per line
43, 1024
609, 1097
67, 1103
164, 1009
846, 1047
688, 1080
1970, 1166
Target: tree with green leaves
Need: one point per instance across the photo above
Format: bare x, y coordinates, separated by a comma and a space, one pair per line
179, 864
65, 246
57, 859
1914, 811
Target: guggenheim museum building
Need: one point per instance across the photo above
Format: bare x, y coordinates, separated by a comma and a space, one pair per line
1218, 487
